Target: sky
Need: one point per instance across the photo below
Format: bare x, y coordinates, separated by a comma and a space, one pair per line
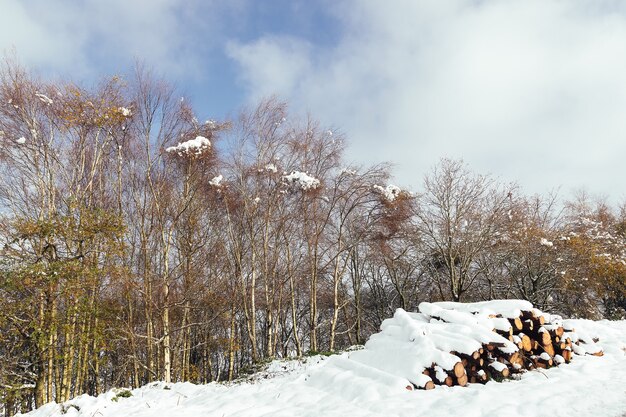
529, 91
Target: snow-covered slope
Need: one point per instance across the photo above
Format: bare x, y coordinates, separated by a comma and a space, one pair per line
339, 386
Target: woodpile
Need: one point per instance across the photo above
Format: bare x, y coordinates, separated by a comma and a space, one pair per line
457, 343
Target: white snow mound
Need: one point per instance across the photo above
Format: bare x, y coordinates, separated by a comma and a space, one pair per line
348, 385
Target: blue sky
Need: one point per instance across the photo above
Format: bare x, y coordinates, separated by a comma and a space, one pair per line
184, 41
531, 91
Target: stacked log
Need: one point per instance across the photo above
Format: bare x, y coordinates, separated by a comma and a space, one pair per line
456, 344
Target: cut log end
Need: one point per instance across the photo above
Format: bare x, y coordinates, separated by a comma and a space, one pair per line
429, 385
549, 349
459, 369
545, 338
462, 380
526, 343
517, 324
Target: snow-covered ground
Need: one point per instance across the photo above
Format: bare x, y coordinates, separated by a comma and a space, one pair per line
336, 386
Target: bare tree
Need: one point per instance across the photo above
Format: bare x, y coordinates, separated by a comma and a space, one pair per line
459, 214
528, 251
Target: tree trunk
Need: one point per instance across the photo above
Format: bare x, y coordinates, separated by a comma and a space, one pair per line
313, 301
231, 345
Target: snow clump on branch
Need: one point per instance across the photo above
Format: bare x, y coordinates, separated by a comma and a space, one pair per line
390, 193
216, 181
269, 168
302, 180
545, 242
193, 147
44, 98
125, 112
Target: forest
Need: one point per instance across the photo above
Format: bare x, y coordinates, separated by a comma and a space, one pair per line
139, 243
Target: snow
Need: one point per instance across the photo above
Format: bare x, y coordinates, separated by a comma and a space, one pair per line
357, 369
406, 347
462, 325
193, 147
390, 192
571, 336
216, 181
348, 171
302, 180
342, 386
545, 242
506, 308
579, 349
125, 112
498, 366
269, 168
44, 98
451, 316
21, 140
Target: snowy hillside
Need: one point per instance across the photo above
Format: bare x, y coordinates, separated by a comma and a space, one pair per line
340, 386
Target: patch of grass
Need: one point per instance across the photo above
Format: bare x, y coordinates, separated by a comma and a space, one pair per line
122, 394
354, 348
321, 353
66, 408
254, 367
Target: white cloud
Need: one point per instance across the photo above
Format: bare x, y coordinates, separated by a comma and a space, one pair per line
92, 37
276, 75
533, 91
36, 42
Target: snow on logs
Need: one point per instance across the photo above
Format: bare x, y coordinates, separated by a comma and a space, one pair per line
455, 343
